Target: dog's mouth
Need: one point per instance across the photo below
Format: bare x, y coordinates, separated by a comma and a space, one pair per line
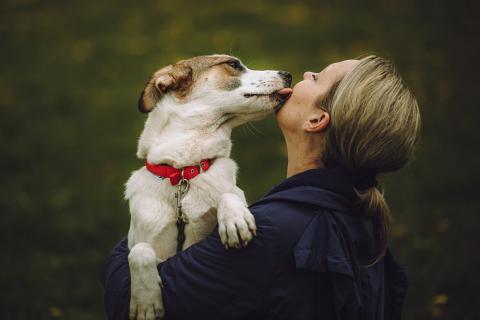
281, 96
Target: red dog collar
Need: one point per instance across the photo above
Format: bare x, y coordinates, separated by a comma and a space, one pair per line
174, 174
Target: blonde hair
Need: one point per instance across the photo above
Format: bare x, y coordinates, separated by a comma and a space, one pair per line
374, 124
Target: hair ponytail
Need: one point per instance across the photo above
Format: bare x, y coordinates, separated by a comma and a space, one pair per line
375, 206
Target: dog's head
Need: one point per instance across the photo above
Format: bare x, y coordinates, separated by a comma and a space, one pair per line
217, 87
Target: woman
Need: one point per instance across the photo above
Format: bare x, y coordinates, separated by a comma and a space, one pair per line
321, 245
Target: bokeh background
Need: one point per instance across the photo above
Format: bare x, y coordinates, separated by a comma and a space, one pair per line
71, 73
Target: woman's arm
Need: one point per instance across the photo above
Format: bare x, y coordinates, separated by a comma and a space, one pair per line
204, 281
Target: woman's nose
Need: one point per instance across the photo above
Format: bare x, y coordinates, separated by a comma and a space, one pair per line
307, 75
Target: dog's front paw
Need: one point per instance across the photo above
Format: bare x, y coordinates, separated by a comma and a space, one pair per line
146, 302
236, 225
146, 293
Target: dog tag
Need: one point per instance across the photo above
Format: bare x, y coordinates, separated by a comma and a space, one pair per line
182, 220
182, 190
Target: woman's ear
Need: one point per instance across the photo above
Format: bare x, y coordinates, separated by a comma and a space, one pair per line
317, 121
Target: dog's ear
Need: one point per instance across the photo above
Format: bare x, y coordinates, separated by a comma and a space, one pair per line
177, 77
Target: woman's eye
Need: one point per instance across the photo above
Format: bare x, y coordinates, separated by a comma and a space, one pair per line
235, 65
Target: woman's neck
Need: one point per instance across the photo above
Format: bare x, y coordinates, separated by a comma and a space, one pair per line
304, 155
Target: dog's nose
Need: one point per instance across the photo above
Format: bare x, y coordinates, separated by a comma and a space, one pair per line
287, 77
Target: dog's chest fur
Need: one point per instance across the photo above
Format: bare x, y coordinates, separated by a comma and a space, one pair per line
153, 211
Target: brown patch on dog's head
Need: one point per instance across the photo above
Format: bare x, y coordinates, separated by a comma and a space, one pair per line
181, 76
176, 77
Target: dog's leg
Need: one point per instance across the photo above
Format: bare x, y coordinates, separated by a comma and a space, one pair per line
146, 294
236, 225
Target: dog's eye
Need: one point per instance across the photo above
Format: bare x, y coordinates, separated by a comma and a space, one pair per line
235, 64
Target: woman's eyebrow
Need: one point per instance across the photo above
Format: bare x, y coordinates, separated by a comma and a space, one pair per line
326, 68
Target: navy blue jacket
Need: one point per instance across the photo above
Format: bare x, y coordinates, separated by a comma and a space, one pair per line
309, 261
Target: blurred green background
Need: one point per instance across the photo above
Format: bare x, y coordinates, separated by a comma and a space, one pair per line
71, 73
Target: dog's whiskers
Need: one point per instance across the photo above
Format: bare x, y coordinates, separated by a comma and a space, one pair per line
254, 128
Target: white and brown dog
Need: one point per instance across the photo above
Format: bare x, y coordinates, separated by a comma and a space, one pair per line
193, 106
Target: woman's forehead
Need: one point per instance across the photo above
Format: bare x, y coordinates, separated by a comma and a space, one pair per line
338, 70
342, 66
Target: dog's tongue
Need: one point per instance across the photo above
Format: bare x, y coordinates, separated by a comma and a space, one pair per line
285, 93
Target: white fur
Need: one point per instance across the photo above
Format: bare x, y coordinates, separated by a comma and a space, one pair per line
181, 133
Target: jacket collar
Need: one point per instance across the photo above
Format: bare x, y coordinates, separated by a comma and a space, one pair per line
328, 187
